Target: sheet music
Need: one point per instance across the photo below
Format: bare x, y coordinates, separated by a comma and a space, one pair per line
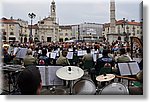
22, 52
134, 68
96, 51
40, 51
52, 78
124, 69
53, 55
94, 57
57, 52
33, 52
92, 52
137, 59
84, 52
100, 55
48, 53
70, 49
42, 72
70, 55
80, 53
15, 50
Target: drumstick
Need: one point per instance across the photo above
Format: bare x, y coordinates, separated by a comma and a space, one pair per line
129, 78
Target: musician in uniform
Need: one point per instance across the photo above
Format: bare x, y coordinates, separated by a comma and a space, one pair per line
123, 56
62, 60
29, 59
88, 61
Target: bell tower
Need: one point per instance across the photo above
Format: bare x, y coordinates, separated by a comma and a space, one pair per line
53, 11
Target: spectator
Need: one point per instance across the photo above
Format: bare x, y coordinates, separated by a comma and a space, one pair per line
29, 81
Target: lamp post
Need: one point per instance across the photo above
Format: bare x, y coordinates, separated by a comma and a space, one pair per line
31, 16
78, 32
133, 30
126, 39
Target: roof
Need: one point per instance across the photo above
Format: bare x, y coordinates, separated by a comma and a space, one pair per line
33, 26
120, 22
8, 21
65, 27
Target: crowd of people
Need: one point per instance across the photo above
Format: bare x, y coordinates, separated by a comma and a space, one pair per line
37, 54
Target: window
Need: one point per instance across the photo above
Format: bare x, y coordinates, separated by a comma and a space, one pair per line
138, 32
66, 34
119, 29
11, 33
48, 39
4, 33
61, 34
3, 30
42, 22
12, 38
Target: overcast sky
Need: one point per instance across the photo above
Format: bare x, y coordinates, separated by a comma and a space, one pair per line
71, 11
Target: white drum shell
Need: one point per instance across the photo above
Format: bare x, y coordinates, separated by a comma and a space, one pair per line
84, 87
115, 89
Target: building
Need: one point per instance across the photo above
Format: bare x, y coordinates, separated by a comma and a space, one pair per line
87, 31
121, 29
65, 33
48, 29
23, 36
13, 30
124, 29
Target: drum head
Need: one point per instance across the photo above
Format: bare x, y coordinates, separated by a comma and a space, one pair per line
84, 87
115, 89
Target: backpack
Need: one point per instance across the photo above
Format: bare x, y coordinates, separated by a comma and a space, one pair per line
41, 62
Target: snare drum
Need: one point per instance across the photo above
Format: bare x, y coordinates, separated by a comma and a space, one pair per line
115, 89
84, 87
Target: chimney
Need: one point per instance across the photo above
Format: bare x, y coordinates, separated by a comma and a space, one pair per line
132, 20
11, 18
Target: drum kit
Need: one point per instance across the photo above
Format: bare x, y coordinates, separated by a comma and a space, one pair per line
82, 86
11, 72
85, 86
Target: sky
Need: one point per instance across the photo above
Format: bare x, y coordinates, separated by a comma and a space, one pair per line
71, 11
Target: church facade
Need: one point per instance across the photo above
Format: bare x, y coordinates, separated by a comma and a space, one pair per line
48, 28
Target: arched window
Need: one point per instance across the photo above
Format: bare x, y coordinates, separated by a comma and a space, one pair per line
66, 39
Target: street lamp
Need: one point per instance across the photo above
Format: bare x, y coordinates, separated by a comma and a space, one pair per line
31, 16
133, 29
126, 39
78, 32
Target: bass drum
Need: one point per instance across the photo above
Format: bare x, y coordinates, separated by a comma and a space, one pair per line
115, 89
84, 87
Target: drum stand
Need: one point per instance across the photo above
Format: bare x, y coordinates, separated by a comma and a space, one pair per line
11, 81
